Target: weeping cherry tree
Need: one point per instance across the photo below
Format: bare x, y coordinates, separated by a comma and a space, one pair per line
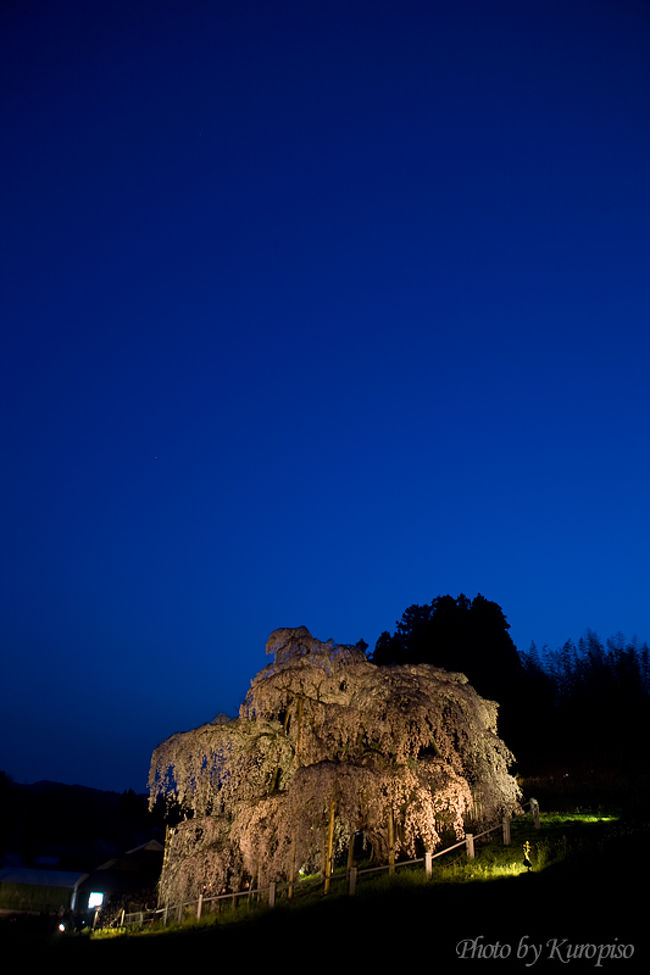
328, 748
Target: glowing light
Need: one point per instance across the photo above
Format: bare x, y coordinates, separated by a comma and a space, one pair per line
96, 899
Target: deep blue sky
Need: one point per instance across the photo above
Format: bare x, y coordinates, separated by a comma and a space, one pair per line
311, 311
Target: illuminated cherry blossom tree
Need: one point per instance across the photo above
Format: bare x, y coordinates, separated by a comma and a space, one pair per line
328, 746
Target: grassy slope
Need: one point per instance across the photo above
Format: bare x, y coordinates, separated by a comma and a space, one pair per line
589, 896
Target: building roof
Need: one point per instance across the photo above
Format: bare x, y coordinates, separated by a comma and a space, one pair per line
153, 846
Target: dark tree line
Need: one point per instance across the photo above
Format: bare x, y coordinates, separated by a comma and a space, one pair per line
584, 705
597, 697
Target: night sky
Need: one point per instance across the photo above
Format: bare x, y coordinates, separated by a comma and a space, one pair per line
311, 311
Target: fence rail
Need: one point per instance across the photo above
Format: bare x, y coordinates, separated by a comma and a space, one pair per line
213, 903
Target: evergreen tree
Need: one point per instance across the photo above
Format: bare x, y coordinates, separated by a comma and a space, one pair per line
467, 636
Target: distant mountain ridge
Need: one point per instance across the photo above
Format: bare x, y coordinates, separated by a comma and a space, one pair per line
70, 826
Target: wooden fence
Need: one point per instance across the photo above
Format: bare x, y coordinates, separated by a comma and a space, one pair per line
214, 903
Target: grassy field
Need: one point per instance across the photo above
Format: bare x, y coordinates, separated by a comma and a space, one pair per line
583, 889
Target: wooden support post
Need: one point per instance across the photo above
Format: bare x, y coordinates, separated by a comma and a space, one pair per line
352, 881
469, 845
506, 830
272, 894
534, 808
199, 906
330, 848
165, 913
179, 913
391, 842
428, 863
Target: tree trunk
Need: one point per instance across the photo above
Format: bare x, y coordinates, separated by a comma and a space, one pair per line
275, 781
350, 862
292, 868
298, 730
